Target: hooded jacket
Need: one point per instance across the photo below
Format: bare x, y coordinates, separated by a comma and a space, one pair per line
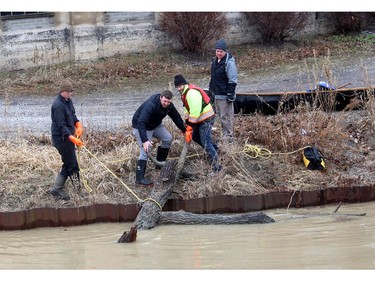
223, 76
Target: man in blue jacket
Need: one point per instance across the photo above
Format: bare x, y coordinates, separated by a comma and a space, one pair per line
147, 123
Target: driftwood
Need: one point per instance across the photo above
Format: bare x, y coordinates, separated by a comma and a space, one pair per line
151, 213
334, 213
182, 217
339, 205
130, 236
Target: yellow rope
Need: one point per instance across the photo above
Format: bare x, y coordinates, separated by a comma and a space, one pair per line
285, 153
254, 151
85, 184
140, 200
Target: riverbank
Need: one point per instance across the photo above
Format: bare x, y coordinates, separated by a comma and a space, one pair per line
30, 163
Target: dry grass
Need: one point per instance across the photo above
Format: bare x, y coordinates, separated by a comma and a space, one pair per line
29, 165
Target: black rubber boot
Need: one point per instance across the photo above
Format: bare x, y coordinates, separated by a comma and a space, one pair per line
161, 155
57, 188
140, 173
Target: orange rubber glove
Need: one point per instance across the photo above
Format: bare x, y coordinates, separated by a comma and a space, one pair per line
188, 134
79, 129
76, 141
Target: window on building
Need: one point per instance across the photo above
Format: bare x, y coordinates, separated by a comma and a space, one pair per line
15, 21
129, 17
23, 15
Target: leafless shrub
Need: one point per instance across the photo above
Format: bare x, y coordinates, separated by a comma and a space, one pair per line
346, 22
277, 26
194, 31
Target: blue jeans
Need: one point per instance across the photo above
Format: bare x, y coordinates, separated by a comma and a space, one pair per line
202, 136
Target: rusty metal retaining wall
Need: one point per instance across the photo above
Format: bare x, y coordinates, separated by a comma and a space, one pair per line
52, 217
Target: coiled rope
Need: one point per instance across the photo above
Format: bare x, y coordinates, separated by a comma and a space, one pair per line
254, 151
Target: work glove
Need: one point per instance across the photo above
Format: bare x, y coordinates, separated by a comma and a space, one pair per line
188, 134
231, 97
79, 129
76, 141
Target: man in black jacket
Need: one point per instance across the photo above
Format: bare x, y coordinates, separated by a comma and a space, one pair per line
147, 123
66, 131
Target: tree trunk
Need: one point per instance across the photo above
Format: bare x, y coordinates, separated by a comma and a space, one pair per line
182, 217
151, 212
151, 209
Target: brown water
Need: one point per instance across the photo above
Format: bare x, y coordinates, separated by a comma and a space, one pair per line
298, 240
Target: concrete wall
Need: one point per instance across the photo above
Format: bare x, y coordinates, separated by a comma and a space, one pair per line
76, 36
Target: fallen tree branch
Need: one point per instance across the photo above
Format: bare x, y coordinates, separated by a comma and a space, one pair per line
128, 237
153, 159
180, 164
338, 207
162, 190
182, 217
151, 212
334, 213
329, 214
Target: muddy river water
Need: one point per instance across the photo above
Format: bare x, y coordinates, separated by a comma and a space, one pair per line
309, 238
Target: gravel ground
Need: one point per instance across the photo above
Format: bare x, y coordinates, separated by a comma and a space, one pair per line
22, 115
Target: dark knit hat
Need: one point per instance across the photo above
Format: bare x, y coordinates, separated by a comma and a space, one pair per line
221, 45
66, 86
179, 80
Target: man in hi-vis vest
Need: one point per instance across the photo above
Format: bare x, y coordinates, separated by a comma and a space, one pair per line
199, 118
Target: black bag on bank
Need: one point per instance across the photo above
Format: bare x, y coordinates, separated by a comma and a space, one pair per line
313, 158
